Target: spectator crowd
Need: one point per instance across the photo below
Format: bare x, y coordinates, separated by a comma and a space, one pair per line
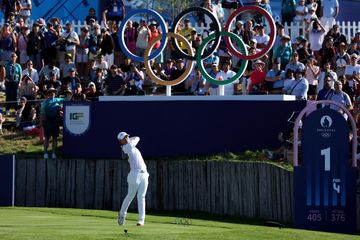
49, 59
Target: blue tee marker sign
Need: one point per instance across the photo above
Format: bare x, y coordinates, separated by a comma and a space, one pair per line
325, 181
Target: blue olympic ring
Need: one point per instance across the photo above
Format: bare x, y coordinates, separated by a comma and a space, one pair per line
159, 20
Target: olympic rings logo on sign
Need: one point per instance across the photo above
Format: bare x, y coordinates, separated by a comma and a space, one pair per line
202, 52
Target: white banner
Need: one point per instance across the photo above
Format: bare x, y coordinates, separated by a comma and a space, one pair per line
77, 119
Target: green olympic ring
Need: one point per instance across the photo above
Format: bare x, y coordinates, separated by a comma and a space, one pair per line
200, 64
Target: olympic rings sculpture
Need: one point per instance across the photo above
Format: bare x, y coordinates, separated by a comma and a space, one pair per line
202, 52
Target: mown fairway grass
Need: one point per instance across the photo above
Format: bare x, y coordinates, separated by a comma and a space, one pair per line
75, 224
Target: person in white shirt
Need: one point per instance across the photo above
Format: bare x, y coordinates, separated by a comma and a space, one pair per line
70, 39
311, 15
226, 74
262, 39
301, 11
137, 178
142, 38
25, 11
31, 71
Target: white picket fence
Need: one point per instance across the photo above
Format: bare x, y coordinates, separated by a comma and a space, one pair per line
349, 29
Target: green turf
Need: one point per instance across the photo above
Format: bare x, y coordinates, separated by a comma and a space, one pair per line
75, 224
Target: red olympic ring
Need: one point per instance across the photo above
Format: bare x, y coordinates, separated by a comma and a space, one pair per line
272, 32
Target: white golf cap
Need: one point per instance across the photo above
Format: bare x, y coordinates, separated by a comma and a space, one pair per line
122, 135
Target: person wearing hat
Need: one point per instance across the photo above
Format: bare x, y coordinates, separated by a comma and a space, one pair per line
65, 67
94, 42
283, 52
303, 49
280, 32
50, 42
256, 83
186, 32
92, 93
78, 95
211, 88
342, 59
138, 178
165, 74
239, 27
7, 36
49, 119
12, 82
68, 40
71, 81
22, 40
82, 52
53, 82
107, 46
35, 46
299, 87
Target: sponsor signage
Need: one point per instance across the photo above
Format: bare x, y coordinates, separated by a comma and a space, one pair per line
325, 181
77, 119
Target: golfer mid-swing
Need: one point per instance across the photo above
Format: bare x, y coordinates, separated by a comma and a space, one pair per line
137, 178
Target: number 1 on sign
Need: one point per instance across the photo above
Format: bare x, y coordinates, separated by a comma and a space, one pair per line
326, 152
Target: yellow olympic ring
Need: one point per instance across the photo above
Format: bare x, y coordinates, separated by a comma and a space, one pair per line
189, 67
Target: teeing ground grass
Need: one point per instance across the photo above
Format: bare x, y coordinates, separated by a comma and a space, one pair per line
76, 224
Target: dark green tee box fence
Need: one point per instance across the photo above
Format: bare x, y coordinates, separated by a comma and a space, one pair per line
254, 190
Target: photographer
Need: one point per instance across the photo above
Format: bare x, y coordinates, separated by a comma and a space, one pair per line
68, 41
134, 81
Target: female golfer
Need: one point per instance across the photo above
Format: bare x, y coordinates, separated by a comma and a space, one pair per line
137, 178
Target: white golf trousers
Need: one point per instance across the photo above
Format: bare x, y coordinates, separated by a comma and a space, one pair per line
137, 182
